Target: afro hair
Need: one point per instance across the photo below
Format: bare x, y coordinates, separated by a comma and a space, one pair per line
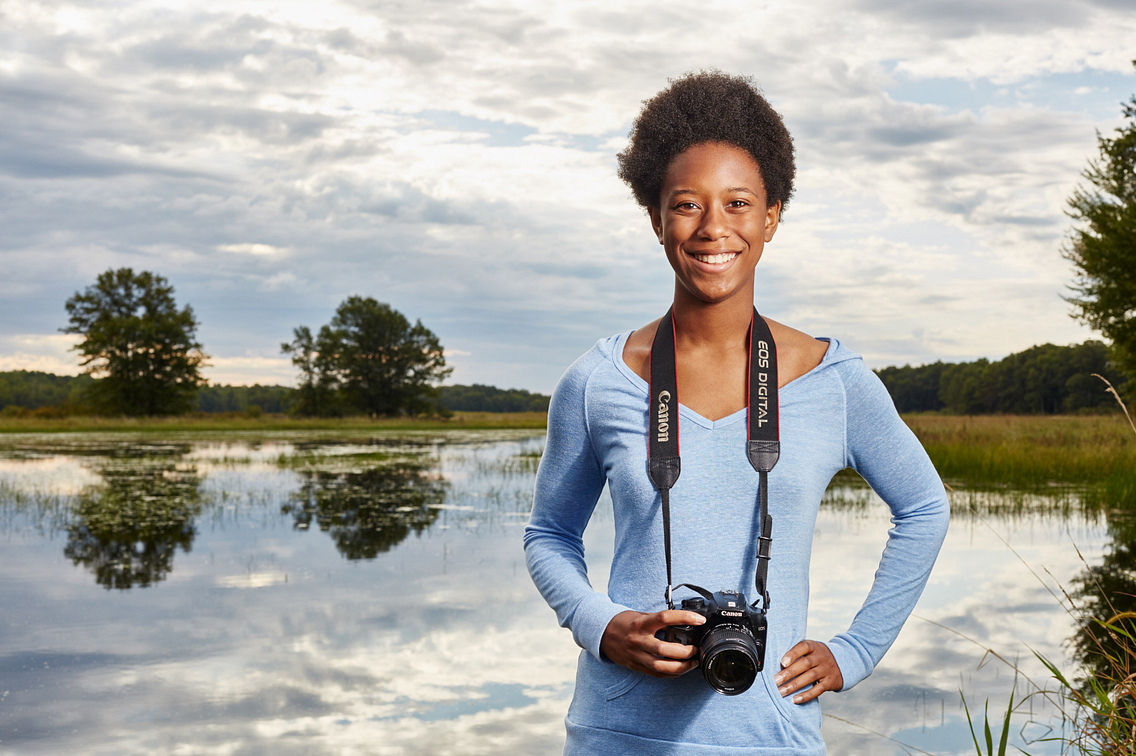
707, 106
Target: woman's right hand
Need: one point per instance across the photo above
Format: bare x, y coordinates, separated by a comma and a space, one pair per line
629, 641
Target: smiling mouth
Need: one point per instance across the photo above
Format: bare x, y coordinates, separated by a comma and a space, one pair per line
714, 259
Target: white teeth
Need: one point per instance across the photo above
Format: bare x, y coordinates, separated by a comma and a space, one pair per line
715, 259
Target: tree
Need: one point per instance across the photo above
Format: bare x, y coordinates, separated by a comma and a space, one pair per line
1103, 249
368, 358
315, 395
139, 341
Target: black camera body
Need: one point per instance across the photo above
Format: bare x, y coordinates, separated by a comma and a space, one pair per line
731, 645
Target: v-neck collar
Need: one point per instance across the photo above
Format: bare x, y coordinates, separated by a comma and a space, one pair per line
687, 412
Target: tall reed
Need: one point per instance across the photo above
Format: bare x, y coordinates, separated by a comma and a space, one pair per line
1093, 455
1100, 704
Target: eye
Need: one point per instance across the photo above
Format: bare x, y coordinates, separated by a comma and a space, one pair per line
738, 203
686, 206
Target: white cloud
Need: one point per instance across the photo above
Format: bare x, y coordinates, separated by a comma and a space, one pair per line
245, 371
49, 353
457, 162
252, 249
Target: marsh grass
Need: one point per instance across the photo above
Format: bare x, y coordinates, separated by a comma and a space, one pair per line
1100, 703
1093, 456
211, 423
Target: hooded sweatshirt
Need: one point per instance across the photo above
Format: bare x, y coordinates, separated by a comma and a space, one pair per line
835, 416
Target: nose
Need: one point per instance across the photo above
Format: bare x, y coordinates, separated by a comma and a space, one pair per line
713, 224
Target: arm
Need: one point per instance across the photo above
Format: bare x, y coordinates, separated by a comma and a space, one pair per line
568, 484
886, 453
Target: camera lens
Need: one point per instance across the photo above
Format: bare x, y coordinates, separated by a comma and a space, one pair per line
729, 660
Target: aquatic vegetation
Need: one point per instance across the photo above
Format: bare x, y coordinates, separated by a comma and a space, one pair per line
127, 530
1100, 700
367, 513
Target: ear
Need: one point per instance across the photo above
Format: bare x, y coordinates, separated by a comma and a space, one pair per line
772, 218
656, 215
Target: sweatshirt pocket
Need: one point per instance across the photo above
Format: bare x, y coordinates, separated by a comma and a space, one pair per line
623, 684
779, 703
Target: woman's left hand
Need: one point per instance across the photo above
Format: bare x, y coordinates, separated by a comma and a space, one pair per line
808, 662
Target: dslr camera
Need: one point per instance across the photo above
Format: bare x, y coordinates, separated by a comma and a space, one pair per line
731, 645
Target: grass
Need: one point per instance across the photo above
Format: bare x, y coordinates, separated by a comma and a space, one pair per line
1031, 452
215, 423
1101, 707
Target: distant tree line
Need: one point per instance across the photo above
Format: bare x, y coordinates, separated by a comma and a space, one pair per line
480, 398
32, 390
27, 390
257, 398
1044, 379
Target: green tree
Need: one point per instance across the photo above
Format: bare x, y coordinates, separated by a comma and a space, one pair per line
1103, 248
316, 393
368, 358
142, 345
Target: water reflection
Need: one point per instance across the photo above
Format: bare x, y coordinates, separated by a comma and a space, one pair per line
1102, 592
368, 512
127, 530
271, 641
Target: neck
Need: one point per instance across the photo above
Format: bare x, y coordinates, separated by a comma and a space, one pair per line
718, 324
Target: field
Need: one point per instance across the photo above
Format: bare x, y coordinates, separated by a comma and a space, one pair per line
1030, 452
974, 451
269, 423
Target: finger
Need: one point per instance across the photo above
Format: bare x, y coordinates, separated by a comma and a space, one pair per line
801, 649
665, 667
793, 685
810, 694
677, 617
674, 650
799, 667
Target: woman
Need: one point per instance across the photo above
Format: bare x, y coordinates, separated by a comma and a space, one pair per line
712, 164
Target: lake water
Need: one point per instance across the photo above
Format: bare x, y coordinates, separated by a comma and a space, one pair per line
307, 594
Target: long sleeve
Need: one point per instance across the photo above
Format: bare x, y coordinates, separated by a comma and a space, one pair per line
568, 484
886, 453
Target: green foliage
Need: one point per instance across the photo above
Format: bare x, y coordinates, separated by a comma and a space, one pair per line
1031, 452
1101, 705
315, 396
270, 399
988, 736
914, 389
481, 398
367, 512
31, 389
369, 359
1044, 379
136, 338
1103, 248
128, 530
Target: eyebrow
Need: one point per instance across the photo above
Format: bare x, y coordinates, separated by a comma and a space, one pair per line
745, 189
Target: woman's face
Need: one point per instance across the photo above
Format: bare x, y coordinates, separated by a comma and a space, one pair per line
712, 220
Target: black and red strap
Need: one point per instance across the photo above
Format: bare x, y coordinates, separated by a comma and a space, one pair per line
763, 446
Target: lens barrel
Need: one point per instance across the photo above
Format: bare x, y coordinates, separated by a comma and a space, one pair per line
729, 660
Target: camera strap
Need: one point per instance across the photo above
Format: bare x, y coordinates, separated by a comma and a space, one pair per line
763, 446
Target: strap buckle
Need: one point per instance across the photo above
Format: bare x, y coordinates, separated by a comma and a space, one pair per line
764, 546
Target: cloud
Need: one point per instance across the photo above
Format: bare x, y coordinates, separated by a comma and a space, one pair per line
252, 249
245, 371
49, 353
457, 162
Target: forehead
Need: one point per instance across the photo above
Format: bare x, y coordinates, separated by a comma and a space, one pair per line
713, 165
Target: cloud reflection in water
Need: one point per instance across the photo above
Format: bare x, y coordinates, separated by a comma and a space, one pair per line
352, 637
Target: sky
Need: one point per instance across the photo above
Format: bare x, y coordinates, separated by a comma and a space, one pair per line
456, 160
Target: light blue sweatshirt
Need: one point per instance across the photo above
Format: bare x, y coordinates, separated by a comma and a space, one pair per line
835, 416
